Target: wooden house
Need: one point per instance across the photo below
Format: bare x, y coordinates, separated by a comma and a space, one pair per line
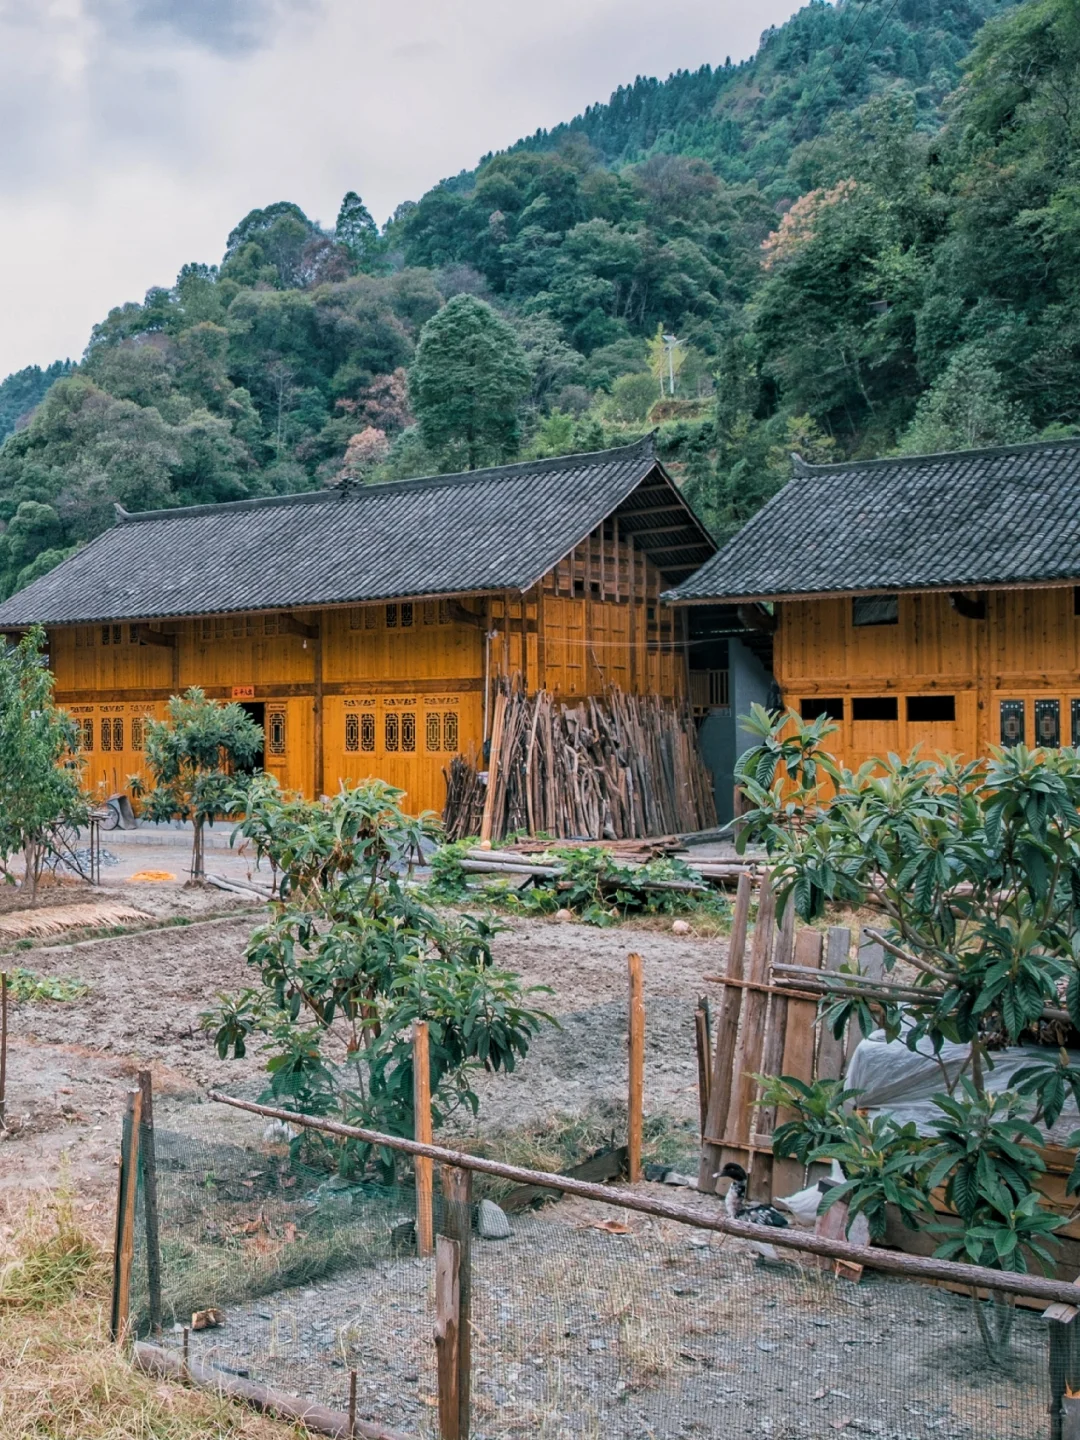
365, 627
926, 600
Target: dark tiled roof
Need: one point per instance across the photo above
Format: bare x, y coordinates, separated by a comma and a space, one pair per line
957, 521
499, 529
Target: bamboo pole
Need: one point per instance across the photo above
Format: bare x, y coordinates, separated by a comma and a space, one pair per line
704, 1056
425, 1242
124, 1243
636, 1119
893, 1262
148, 1161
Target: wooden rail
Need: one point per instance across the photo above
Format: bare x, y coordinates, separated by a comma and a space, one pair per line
915, 1267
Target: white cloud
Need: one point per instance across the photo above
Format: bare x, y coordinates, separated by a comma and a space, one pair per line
137, 132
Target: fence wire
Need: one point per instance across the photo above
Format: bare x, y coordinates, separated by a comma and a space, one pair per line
588, 1322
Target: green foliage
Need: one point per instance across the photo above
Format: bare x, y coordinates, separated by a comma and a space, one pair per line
27, 986
40, 778
591, 883
352, 956
865, 237
977, 871
193, 756
467, 384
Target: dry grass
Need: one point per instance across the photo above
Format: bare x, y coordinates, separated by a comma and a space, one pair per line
59, 1375
57, 920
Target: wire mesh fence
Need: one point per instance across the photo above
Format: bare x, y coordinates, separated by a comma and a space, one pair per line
586, 1321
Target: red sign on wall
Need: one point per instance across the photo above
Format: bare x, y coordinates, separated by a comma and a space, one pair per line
243, 692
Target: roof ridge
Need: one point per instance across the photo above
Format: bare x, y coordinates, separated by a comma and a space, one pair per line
646, 446
1019, 447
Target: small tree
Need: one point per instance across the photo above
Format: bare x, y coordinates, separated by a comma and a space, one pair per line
350, 958
40, 779
193, 756
976, 869
467, 383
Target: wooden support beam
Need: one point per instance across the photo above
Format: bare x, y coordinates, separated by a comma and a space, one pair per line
423, 1133
145, 636
290, 625
318, 715
636, 1048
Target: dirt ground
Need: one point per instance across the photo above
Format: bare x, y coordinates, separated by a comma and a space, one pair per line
70, 1064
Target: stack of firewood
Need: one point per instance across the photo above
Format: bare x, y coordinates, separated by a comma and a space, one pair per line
606, 768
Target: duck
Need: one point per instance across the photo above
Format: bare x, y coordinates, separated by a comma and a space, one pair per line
735, 1201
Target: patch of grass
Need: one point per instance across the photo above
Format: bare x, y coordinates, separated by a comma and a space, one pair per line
26, 985
59, 1375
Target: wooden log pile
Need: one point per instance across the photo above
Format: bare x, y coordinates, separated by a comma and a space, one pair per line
611, 767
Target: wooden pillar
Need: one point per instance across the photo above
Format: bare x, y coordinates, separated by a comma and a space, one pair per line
319, 778
636, 1099
457, 1226
422, 1133
448, 1336
124, 1239
176, 660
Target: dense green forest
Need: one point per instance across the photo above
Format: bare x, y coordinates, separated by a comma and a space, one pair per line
866, 238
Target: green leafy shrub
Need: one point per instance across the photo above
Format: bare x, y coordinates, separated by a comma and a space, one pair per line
351, 956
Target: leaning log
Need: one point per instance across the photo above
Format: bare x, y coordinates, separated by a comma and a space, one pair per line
167, 1365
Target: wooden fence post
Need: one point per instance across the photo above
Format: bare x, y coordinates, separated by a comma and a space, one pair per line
789, 1050
636, 1118
425, 1243
3, 1046
457, 1226
704, 1059
726, 1029
124, 1244
148, 1161
747, 1060
448, 1335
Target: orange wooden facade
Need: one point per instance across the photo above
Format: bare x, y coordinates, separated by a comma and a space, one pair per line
1012, 675
392, 689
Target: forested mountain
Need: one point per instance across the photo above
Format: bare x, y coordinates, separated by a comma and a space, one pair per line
865, 238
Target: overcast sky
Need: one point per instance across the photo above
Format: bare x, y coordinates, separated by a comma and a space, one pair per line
135, 133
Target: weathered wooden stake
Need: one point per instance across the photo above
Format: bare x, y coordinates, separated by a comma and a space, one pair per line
3, 1047
425, 1242
704, 1059
124, 1244
792, 1053
727, 1028
448, 1334
457, 1226
148, 1160
637, 1069
747, 1062
352, 1404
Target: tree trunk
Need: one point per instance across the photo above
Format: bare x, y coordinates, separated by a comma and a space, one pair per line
198, 865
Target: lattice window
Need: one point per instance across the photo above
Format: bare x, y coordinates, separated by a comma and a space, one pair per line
391, 617
86, 740
271, 625
352, 732
137, 733
106, 734
275, 732
371, 618
367, 732
408, 731
433, 732
444, 612
356, 619
392, 731
450, 730
429, 612
406, 614
118, 734
133, 634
